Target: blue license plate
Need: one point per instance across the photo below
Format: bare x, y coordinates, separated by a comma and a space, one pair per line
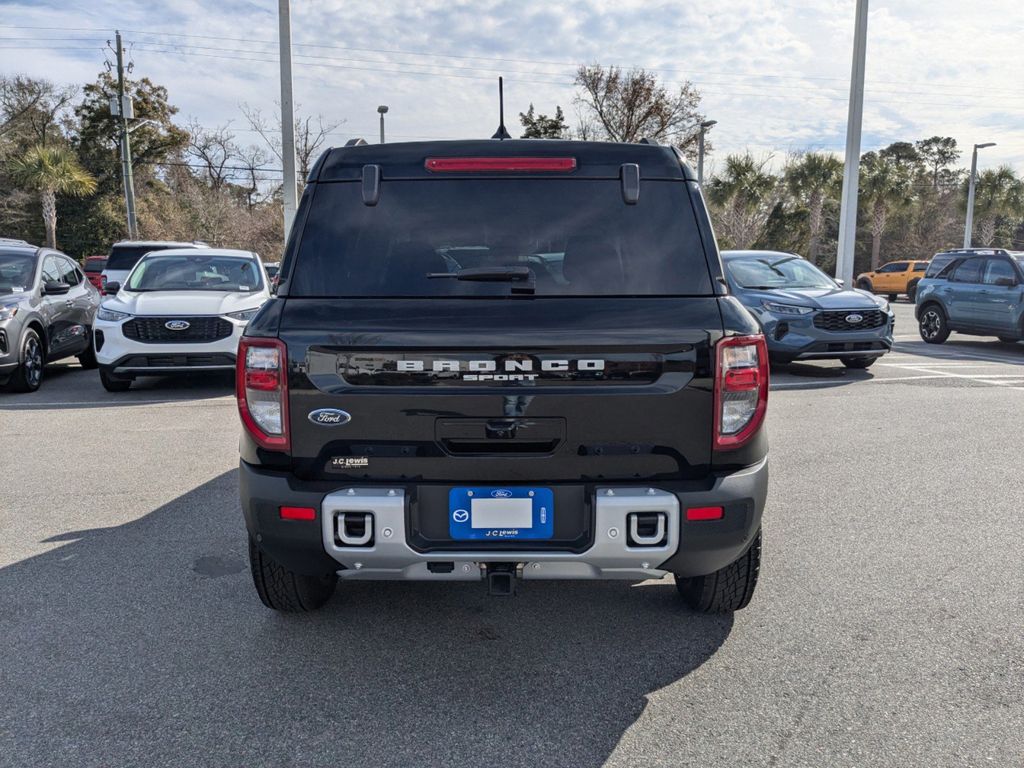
495, 514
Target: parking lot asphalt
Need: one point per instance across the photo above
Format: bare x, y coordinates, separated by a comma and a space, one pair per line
886, 631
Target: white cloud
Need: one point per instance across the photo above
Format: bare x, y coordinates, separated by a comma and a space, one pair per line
775, 75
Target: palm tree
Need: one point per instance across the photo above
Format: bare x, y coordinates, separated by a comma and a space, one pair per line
885, 186
813, 179
51, 171
742, 199
999, 194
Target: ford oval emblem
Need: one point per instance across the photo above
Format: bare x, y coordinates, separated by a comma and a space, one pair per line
854, 318
177, 325
329, 417
501, 493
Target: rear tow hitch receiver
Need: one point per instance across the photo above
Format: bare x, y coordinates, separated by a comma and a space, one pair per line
501, 579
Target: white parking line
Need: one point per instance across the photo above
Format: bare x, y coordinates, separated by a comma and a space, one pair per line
114, 403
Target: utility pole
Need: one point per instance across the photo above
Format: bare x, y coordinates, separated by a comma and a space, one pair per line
700, 149
123, 106
969, 227
851, 173
382, 110
289, 188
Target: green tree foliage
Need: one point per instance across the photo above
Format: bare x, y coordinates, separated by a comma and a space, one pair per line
543, 127
998, 204
50, 171
744, 196
813, 180
885, 187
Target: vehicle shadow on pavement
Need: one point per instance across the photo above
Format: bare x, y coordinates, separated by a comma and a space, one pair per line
814, 375
66, 385
145, 644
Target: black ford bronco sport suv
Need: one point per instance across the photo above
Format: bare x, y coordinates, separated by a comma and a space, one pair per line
503, 360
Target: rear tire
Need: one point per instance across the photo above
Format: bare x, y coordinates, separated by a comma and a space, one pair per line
112, 383
893, 296
88, 358
933, 326
912, 291
865, 285
727, 589
29, 375
859, 363
284, 590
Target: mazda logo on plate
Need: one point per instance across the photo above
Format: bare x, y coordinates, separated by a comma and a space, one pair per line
177, 325
854, 318
501, 493
330, 417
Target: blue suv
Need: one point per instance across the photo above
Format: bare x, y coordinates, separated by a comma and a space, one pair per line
978, 291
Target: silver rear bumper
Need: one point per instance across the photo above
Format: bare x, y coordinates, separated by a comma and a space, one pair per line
388, 556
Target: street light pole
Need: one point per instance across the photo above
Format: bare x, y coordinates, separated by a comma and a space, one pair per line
289, 188
700, 149
851, 173
126, 147
969, 227
382, 110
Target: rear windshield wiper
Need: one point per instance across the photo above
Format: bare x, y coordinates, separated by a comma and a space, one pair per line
522, 278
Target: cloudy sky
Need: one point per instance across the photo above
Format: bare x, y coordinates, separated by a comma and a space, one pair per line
774, 74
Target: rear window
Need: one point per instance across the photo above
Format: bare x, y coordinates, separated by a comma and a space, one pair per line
577, 237
127, 256
920, 266
95, 265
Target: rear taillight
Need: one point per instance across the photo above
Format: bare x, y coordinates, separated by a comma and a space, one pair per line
261, 385
741, 390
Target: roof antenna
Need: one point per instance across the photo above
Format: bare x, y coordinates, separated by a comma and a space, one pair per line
501, 133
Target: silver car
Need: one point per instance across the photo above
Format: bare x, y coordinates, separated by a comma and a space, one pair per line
806, 314
47, 307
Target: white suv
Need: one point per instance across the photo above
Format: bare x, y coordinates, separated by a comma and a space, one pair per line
178, 311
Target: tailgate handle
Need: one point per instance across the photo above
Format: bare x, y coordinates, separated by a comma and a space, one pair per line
501, 430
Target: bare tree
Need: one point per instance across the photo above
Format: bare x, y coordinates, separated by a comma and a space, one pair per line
629, 106
35, 109
215, 151
310, 135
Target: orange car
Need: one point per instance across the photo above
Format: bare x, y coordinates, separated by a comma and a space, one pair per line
894, 278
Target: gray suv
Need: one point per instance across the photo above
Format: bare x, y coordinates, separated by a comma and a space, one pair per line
805, 314
47, 308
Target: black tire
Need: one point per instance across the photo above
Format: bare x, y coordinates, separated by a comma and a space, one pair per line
285, 590
88, 358
29, 375
728, 589
1008, 340
858, 362
865, 285
113, 383
893, 296
932, 325
912, 290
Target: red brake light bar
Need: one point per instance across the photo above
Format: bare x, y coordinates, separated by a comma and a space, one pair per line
492, 164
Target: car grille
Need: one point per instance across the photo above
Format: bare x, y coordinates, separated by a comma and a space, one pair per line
837, 321
154, 330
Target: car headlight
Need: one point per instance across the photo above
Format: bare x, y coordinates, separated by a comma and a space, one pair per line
111, 315
244, 315
6, 313
787, 309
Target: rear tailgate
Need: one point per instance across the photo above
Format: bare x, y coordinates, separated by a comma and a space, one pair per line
502, 390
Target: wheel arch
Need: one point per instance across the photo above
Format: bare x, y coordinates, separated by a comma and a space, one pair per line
37, 325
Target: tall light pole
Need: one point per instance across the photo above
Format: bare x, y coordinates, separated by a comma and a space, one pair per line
851, 173
970, 192
382, 110
125, 111
289, 188
700, 149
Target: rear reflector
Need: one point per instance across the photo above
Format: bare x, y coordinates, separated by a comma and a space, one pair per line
705, 513
485, 164
298, 513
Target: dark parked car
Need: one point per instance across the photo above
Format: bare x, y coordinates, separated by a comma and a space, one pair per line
980, 292
805, 314
126, 254
47, 309
503, 360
